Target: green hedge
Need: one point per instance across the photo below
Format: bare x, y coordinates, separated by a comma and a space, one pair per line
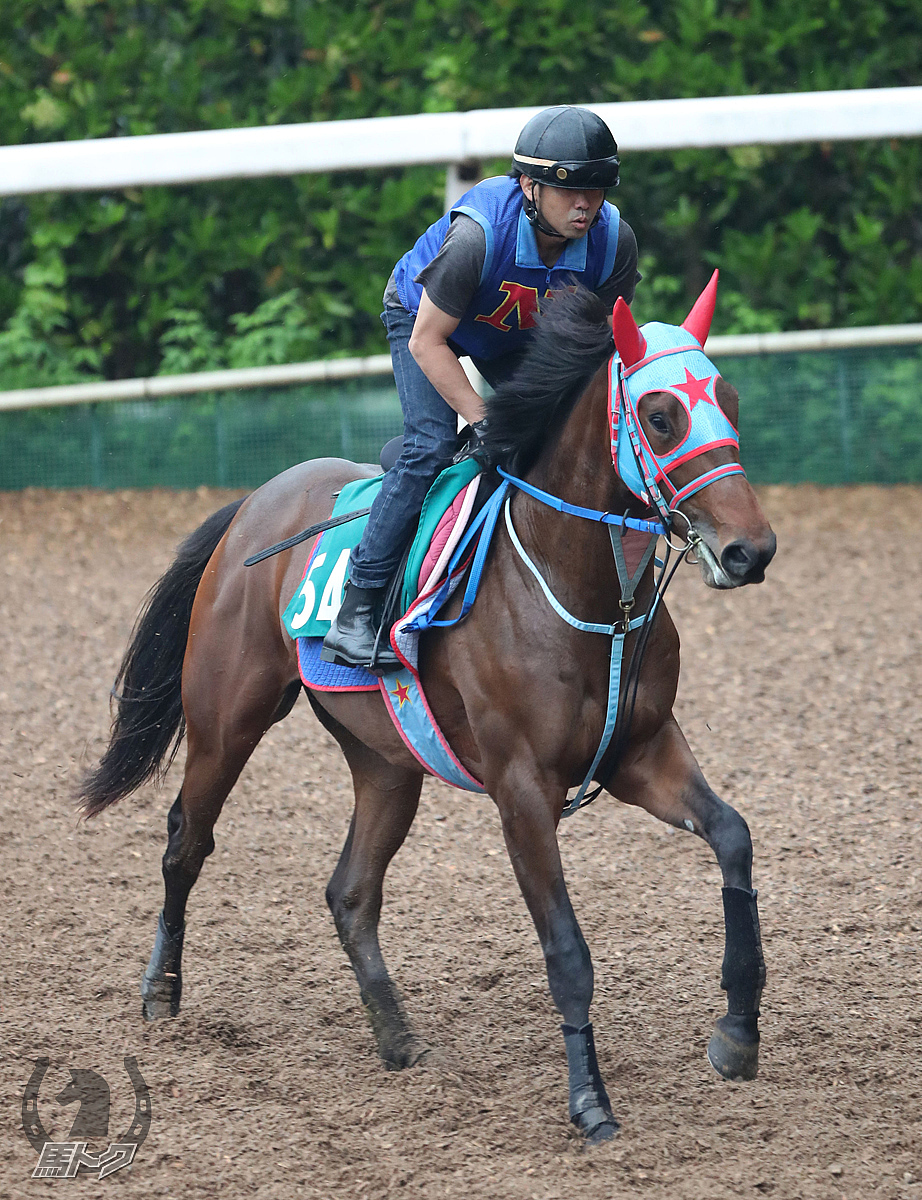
261, 271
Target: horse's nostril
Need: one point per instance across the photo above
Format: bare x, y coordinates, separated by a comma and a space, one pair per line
739, 558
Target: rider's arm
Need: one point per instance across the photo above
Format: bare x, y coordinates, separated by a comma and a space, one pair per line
438, 362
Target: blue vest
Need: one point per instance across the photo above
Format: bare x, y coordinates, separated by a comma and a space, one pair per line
514, 278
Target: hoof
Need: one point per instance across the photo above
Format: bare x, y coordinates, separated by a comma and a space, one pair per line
156, 1010
597, 1125
398, 1046
733, 1052
603, 1133
407, 1054
161, 983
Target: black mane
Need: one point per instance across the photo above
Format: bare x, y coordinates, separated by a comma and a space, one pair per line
571, 342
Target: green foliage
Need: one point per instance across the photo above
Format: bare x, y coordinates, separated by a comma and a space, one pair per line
267, 270
276, 332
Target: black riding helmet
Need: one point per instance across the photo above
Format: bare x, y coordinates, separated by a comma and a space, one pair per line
567, 147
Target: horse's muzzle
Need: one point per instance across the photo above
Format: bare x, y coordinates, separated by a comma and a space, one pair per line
743, 561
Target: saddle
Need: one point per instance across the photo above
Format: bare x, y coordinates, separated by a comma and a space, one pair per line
448, 507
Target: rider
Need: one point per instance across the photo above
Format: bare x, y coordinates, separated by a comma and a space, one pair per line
471, 286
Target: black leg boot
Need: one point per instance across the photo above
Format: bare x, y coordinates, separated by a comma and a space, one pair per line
590, 1109
734, 1047
352, 636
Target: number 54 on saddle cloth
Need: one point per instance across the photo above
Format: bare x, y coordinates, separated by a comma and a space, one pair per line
445, 514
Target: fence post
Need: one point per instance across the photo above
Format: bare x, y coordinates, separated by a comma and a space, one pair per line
96, 474
845, 424
460, 178
220, 433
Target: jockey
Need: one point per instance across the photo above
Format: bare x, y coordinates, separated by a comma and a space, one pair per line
471, 286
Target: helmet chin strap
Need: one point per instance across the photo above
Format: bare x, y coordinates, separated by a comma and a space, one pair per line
534, 215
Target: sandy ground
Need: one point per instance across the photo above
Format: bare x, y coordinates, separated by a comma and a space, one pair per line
801, 699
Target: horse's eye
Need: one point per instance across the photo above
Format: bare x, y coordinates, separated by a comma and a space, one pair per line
659, 423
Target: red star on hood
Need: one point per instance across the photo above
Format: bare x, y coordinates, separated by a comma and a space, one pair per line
696, 389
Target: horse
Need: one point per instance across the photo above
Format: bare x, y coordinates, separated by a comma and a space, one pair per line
210, 660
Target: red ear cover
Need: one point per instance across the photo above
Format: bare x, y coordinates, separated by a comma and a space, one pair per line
629, 341
698, 321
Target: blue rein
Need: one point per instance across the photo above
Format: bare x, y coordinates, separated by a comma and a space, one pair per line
590, 514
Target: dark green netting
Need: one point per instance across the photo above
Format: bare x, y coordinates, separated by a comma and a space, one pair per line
226, 439
830, 417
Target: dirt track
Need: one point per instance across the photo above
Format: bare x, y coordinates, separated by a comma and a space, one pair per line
801, 699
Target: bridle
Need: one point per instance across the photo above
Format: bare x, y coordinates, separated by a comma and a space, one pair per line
645, 361
668, 351
643, 471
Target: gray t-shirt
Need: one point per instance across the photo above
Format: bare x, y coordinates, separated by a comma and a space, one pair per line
453, 276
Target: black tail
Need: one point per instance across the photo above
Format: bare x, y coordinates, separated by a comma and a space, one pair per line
149, 722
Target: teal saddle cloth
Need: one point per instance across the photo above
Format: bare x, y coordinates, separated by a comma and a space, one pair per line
319, 595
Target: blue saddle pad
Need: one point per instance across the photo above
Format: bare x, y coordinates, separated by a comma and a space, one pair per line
331, 677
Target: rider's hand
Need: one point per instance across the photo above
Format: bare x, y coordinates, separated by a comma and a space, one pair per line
474, 447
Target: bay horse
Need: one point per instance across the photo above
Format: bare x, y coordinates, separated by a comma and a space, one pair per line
211, 660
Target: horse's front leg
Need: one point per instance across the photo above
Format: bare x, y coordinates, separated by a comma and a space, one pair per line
530, 810
664, 778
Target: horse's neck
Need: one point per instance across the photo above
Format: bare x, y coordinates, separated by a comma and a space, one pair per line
577, 468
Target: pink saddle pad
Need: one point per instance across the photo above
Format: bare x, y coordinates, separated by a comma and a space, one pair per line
447, 534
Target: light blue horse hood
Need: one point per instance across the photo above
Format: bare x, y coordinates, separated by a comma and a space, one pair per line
674, 362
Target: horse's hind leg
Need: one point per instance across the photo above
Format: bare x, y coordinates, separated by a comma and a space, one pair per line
386, 800
665, 780
223, 731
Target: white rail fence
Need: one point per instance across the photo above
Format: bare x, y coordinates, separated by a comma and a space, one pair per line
449, 138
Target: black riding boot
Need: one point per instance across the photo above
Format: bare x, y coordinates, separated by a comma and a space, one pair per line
351, 640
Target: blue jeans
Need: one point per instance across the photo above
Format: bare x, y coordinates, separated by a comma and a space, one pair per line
430, 439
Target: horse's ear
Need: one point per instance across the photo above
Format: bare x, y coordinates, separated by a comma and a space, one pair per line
698, 321
629, 341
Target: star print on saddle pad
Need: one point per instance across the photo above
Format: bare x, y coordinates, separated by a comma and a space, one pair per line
408, 709
404, 699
